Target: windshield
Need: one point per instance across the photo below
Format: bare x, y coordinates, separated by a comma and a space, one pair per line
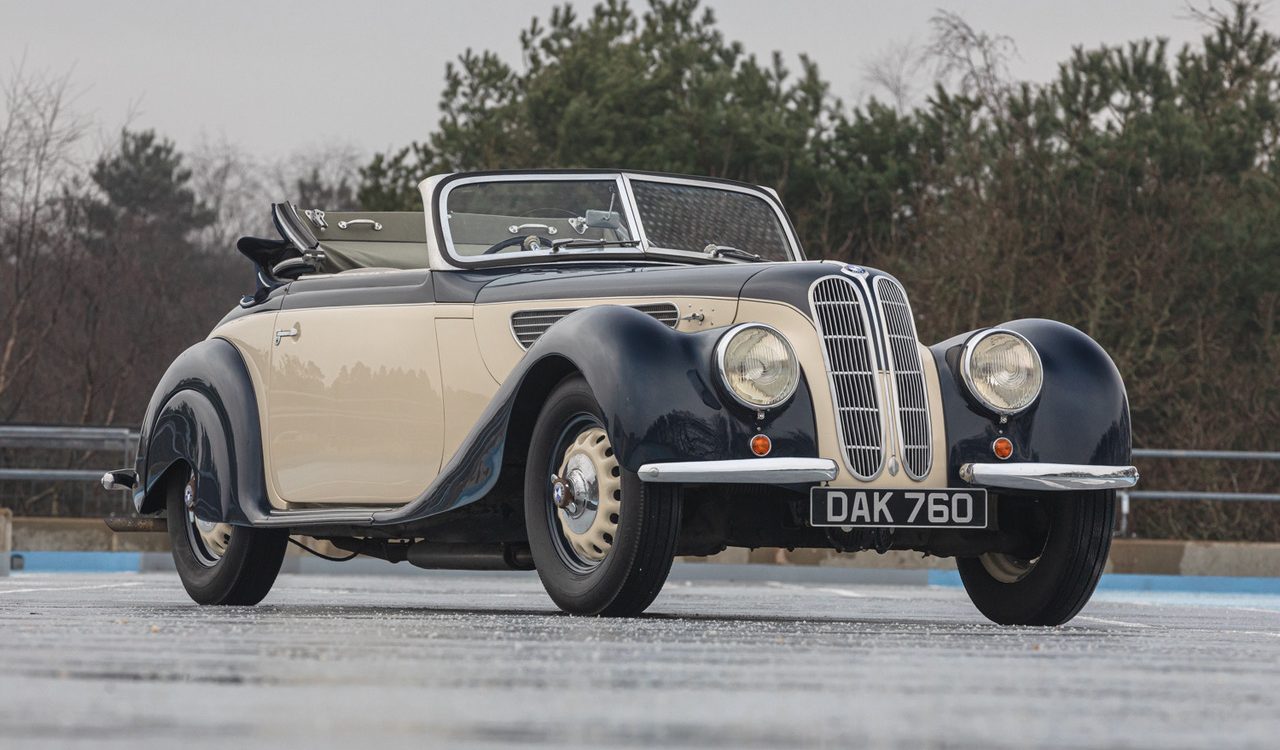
517, 217
689, 218
509, 216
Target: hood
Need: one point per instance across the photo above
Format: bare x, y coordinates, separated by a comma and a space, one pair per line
781, 282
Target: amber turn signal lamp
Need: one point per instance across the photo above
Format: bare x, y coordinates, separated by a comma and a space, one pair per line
1002, 447
761, 445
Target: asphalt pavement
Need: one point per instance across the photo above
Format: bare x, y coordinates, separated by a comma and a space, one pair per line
476, 660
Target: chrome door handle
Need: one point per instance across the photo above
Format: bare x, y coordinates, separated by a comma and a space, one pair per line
377, 226
287, 333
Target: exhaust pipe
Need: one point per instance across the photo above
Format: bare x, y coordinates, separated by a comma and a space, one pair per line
434, 556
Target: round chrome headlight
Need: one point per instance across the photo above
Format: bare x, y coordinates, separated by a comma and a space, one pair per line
1002, 370
757, 366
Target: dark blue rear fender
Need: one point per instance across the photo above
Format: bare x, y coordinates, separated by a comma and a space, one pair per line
1081, 417
204, 415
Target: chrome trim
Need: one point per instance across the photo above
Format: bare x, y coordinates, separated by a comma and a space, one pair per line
723, 344
120, 479
526, 333
349, 223
441, 212
965, 374
550, 230
744, 471
286, 333
308, 516
909, 439
317, 217
861, 398
1036, 476
772, 200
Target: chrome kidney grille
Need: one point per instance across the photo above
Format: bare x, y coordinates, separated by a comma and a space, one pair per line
849, 353
910, 399
529, 325
854, 325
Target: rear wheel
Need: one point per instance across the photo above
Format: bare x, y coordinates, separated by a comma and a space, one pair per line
602, 540
1069, 536
219, 563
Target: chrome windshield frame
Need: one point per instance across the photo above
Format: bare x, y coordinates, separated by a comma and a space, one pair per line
793, 243
438, 205
624, 200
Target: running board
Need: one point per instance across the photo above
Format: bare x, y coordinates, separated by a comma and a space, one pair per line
319, 517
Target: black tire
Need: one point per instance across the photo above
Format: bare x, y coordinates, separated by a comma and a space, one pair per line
1063, 577
629, 578
242, 575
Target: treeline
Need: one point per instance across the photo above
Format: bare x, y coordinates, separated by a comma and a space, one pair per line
1135, 196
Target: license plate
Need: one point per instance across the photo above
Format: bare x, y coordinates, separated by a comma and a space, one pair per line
897, 509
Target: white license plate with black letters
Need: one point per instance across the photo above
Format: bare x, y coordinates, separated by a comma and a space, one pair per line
892, 509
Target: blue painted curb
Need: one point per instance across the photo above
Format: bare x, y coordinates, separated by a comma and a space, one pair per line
1140, 582
132, 562
76, 562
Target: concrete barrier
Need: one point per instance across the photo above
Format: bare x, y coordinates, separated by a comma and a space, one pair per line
1128, 556
6, 540
1137, 556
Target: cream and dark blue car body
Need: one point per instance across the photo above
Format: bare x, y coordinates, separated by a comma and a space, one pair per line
380, 388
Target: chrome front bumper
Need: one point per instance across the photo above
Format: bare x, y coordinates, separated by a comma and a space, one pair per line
1036, 476
1025, 476
745, 471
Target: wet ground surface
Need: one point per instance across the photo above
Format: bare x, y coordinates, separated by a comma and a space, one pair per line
441, 660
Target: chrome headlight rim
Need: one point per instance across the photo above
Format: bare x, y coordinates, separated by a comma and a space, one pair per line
966, 370
722, 347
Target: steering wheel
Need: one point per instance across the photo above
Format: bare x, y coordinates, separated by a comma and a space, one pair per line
517, 240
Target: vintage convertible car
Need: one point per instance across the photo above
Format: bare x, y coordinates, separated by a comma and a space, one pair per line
590, 372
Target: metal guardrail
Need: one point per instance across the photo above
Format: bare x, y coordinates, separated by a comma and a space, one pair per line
74, 437
66, 437
1126, 495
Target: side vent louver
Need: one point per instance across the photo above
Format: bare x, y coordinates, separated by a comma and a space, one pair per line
529, 325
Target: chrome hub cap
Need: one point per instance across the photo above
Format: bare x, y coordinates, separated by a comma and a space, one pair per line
209, 540
1005, 568
587, 494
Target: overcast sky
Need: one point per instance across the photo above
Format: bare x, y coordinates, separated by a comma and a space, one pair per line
274, 77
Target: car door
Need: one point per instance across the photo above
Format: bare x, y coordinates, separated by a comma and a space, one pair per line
354, 407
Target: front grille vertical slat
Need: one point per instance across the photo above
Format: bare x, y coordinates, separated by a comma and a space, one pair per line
907, 378
529, 325
848, 345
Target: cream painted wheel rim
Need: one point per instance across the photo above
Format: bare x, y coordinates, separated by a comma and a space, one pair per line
587, 494
1007, 569
209, 540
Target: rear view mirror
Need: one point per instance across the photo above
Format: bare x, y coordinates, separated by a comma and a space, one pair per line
603, 219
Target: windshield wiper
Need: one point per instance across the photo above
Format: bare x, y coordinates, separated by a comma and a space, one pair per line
724, 251
585, 242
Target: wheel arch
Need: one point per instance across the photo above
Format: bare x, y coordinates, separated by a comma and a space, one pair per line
1080, 417
204, 414
534, 390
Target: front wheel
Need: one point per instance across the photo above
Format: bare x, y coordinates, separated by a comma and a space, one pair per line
1069, 536
219, 563
602, 540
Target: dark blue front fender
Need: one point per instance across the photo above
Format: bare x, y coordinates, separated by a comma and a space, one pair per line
1081, 416
656, 387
